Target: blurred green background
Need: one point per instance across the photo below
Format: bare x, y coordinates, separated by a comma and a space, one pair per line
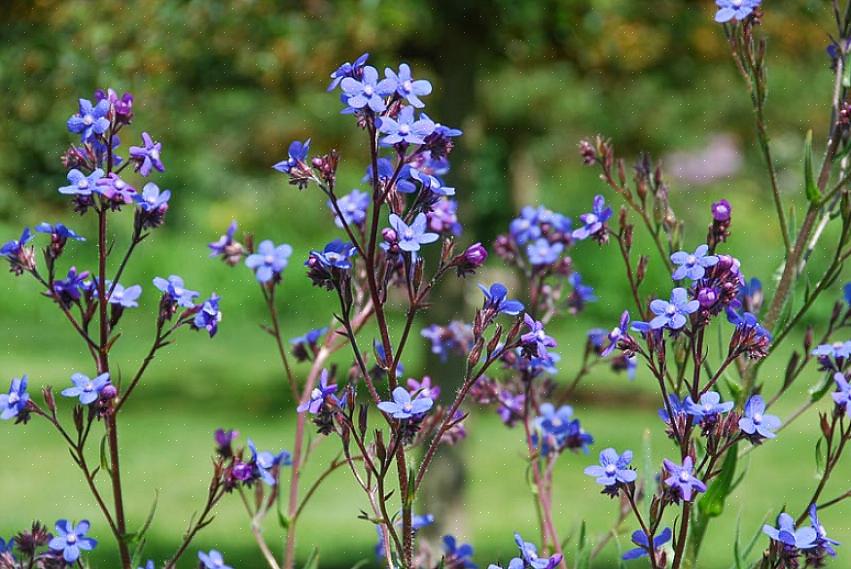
227, 85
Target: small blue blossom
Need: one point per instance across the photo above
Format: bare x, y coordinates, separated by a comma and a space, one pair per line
708, 407
363, 92
224, 242
405, 128
296, 154
336, 254
347, 70
495, 299
149, 565
681, 479
787, 534
613, 468
640, 539
677, 408
14, 403
14, 247
264, 462
405, 86
212, 560
70, 288
318, 396
125, 297
116, 190
87, 390
147, 157
525, 228
842, 395
673, 314
581, 293
594, 221
80, 184
693, 265
209, 316
412, 236
734, 9
176, 291
457, 556
403, 407
353, 206
755, 423
536, 341
822, 541
90, 120
59, 232
70, 540
529, 557
542, 252
152, 199
846, 291
431, 184
305, 346
269, 260
618, 332
833, 356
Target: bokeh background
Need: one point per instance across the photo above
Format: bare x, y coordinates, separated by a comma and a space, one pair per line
227, 85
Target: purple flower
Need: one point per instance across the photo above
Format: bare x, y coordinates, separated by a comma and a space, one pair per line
639, 538
833, 356
125, 297
353, 206
269, 260
443, 217
347, 70
755, 423
225, 241
70, 540
87, 390
403, 407
536, 341
721, 210
174, 289
734, 9
423, 387
116, 190
681, 479
81, 185
69, 288
209, 316
152, 199
618, 332
405, 86
822, 541
613, 468
213, 560
147, 156
412, 236
495, 299
708, 407
363, 92
542, 252
673, 314
842, 395
296, 154
405, 128
264, 462
14, 403
594, 221
785, 533
318, 395
90, 120
693, 265
457, 556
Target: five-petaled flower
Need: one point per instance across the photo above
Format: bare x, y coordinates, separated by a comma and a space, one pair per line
640, 539
457, 556
213, 560
177, 293
673, 314
495, 299
542, 252
708, 407
363, 92
147, 157
296, 154
692, 265
787, 534
264, 462
269, 260
90, 120
405, 86
618, 332
755, 423
318, 395
613, 468
347, 70
734, 9
823, 542
152, 199
404, 407
594, 221
86, 389
70, 540
410, 237
337, 255
125, 297
81, 185
353, 207
529, 557
536, 341
59, 232
405, 128
842, 395
681, 479
14, 403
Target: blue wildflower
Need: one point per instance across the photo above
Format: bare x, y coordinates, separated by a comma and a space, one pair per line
412, 236
269, 260
264, 462
363, 92
86, 389
147, 157
734, 9
336, 254
152, 199
457, 556
14, 247
80, 184
787, 534
347, 70
209, 316
353, 206
70, 540
173, 287
318, 396
89, 120
525, 228
536, 341
639, 538
842, 395
822, 541
618, 332
69, 288
59, 232
224, 243
213, 560
542, 252
613, 468
305, 346
495, 299
404, 407
405, 128
594, 221
673, 314
125, 297
708, 408
14, 403
681, 479
693, 265
755, 423
296, 154
529, 557
581, 293
405, 86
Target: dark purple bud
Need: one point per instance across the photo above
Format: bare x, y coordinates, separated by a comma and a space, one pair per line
721, 210
707, 297
108, 392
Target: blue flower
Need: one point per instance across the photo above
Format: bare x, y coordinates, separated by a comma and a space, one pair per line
618, 332
681, 479
305, 346
296, 154
525, 228
59, 232
149, 565
431, 184
846, 291
353, 206
269, 260
152, 199
347, 70
318, 395
405, 128
542, 252
734, 9
693, 265
336, 254
708, 407
581, 294
833, 356
125, 297
14, 403
225, 242
264, 462
529, 557
639, 538
147, 157
594, 221
822, 541
213, 560
69, 288
80, 184
495, 299
755, 423
403, 407
412, 236
673, 314
90, 120
536, 341
613, 468
405, 86
209, 316
842, 395
173, 287
87, 390
677, 408
14, 247
787, 534
457, 556
70, 540
365, 92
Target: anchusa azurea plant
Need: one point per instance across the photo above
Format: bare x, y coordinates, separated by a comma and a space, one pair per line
398, 240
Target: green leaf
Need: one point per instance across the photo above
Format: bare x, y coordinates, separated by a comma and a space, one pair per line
104, 456
583, 550
711, 504
813, 193
313, 560
821, 388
